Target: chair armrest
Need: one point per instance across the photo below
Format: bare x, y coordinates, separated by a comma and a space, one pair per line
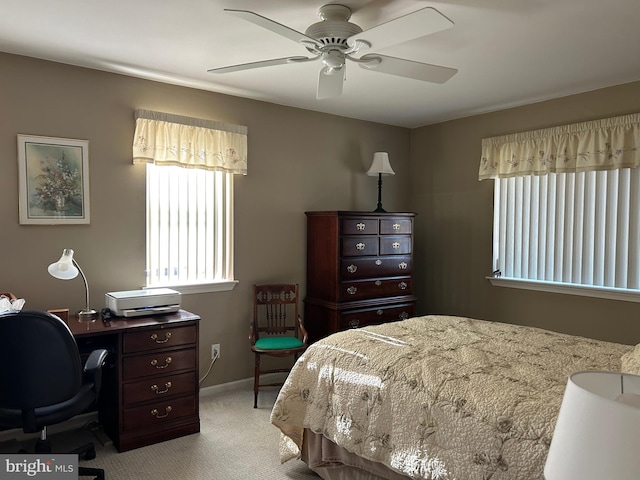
93, 367
305, 336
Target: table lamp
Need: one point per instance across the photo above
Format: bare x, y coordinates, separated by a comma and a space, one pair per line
67, 268
597, 433
380, 166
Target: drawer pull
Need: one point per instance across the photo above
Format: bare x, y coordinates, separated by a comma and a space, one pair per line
395, 245
352, 290
156, 413
402, 286
378, 283
378, 262
379, 312
396, 226
354, 323
360, 226
403, 316
167, 336
167, 361
360, 246
167, 386
352, 268
402, 265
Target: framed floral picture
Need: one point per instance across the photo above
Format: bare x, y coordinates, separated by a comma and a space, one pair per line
54, 180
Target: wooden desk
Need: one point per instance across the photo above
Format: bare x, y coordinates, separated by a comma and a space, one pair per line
150, 382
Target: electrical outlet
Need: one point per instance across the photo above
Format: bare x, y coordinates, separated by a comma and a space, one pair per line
215, 351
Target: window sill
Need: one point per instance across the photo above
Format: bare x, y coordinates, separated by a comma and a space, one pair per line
569, 289
224, 286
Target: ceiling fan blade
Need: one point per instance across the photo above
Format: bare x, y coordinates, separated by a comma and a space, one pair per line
260, 64
273, 26
422, 22
330, 84
407, 68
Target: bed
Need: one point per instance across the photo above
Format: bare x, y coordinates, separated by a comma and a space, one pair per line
434, 398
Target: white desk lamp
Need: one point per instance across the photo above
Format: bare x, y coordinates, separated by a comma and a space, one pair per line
380, 166
67, 268
597, 434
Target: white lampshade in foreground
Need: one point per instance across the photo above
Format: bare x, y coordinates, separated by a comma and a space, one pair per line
380, 165
597, 434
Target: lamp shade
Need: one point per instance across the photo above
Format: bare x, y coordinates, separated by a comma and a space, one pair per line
597, 433
380, 165
64, 269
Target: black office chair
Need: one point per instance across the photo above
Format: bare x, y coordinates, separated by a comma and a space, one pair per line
42, 380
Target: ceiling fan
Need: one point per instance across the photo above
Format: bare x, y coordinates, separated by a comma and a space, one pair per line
334, 40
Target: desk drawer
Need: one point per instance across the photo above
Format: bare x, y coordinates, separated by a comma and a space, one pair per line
133, 342
158, 363
159, 387
159, 413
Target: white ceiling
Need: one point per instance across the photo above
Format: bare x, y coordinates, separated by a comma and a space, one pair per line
508, 52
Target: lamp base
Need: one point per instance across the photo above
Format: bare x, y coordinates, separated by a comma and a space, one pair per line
87, 315
380, 210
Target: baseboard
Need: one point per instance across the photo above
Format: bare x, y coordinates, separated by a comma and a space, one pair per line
238, 384
82, 420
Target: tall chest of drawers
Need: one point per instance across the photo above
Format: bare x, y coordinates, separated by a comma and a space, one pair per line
359, 270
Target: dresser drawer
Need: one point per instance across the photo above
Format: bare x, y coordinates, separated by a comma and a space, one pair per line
159, 387
388, 287
393, 266
359, 246
391, 245
158, 363
395, 226
158, 413
133, 342
373, 316
360, 226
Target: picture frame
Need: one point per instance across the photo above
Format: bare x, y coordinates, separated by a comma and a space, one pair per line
53, 180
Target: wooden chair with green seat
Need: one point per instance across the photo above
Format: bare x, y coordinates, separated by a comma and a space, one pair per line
276, 329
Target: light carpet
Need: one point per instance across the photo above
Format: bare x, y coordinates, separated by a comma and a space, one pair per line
235, 441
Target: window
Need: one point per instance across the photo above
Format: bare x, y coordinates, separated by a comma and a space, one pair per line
190, 167
577, 230
567, 208
189, 227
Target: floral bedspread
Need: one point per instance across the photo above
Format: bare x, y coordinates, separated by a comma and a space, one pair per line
438, 397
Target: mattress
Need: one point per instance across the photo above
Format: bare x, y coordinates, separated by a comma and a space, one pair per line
437, 397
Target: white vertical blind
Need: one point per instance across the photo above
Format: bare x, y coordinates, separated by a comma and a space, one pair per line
577, 228
189, 226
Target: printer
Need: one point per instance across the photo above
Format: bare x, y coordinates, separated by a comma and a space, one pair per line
136, 303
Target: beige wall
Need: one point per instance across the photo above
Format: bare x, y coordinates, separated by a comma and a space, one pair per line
298, 161
454, 224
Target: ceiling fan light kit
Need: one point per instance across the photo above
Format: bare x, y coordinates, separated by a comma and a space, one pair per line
334, 40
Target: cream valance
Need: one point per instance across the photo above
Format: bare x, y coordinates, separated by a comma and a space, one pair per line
606, 144
166, 139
